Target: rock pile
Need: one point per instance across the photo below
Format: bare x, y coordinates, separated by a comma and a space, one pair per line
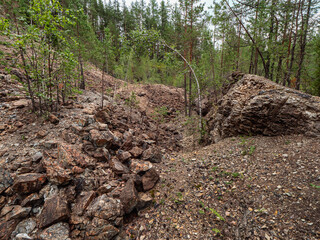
79, 176
255, 105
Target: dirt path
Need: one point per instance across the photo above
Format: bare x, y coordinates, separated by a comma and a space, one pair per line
240, 188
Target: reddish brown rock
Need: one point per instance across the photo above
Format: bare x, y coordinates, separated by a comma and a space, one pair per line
144, 200
117, 166
5, 180
55, 173
21, 103
14, 212
55, 209
42, 134
77, 170
53, 119
32, 200
18, 124
102, 138
2, 201
124, 156
105, 208
29, 182
102, 117
6, 228
138, 166
149, 179
69, 155
59, 231
152, 155
129, 196
100, 229
136, 152
83, 202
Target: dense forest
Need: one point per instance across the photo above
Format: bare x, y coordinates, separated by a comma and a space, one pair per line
55, 39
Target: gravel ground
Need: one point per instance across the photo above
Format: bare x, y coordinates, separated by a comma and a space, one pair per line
239, 188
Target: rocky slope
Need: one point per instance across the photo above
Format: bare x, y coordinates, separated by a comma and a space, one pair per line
79, 173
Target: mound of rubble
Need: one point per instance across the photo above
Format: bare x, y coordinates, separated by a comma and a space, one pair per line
257, 106
78, 174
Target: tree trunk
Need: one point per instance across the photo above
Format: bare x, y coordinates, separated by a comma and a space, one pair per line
304, 29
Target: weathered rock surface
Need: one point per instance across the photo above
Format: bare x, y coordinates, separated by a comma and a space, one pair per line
59, 231
118, 167
5, 180
6, 228
24, 228
149, 179
152, 155
137, 166
129, 196
29, 182
105, 208
255, 105
14, 212
55, 209
101, 229
83, 202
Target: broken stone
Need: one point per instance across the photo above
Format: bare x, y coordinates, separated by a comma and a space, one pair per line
53, 119
137, 166
69, 155
83, 202
42, 134
105, 207
29, 182
124, 156
152, 155
118, 167
2, 201
22, 236
5, 180
6, 228
32, 200
77, 170
50, 144
102, 138
136, 178
106, 188
21, 103
144, 200
59, 231
55, 209
24, 228
136, 152
101, 229
149, 179
55, 173
37, 156
14, 212
129, 197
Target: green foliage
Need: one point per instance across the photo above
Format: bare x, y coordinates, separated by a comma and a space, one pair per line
44, 49
132, 100
160, 113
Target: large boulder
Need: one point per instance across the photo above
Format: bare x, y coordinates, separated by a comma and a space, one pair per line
255, 105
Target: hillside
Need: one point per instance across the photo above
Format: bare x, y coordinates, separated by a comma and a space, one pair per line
119, 174
159, 120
